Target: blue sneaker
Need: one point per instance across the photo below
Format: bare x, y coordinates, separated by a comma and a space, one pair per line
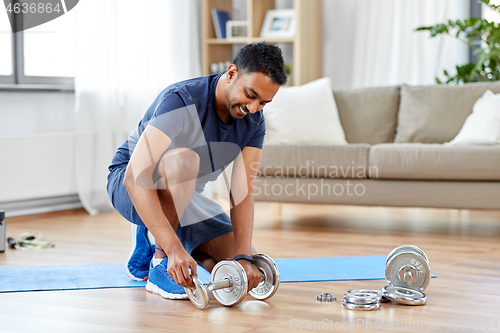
137, 267
161, 283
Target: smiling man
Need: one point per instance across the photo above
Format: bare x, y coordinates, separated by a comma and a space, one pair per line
193, 130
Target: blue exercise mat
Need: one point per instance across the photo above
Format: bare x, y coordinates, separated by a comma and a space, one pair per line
113, 276
332, 269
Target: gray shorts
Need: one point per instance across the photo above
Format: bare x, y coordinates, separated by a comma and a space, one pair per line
202, 220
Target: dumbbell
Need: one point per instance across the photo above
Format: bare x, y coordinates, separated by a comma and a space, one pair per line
407, 266
229, 282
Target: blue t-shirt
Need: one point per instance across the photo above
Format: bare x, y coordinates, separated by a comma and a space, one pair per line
186, 112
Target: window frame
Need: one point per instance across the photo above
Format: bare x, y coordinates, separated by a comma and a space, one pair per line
476, 10
18, 79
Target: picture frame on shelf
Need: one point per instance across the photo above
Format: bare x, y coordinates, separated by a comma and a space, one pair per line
279, 23
236, 29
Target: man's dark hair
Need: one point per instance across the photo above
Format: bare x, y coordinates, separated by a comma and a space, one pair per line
263, 58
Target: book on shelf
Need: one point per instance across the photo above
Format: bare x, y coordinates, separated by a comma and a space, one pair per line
220, 17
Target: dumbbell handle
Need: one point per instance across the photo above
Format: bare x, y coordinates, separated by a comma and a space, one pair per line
225, 283
221, 284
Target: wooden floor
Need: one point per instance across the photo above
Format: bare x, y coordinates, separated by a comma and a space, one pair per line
463, 248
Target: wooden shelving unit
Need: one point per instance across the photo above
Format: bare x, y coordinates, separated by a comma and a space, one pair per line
307, 44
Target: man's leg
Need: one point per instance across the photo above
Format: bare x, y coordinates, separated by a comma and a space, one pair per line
175, 178
176, 181
215, 250
175, 175
210, 253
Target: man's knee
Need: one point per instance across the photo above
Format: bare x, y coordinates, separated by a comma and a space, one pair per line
219, 248
179, 166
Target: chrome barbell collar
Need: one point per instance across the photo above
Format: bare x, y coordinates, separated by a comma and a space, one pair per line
326, 297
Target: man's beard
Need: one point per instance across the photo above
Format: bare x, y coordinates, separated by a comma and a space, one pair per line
235, 109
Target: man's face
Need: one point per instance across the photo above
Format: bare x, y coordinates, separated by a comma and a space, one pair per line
248, 93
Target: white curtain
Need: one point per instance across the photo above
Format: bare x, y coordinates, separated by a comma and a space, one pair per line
127, 52
388, 50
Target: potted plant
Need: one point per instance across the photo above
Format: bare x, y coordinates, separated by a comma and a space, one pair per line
484, 39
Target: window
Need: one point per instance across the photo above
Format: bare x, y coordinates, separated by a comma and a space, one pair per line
40, 55
490, 14
5, 47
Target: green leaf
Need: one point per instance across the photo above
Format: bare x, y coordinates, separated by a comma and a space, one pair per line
483, 38
439, 29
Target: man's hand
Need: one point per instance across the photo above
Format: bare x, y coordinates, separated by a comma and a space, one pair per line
253, 274
179, 263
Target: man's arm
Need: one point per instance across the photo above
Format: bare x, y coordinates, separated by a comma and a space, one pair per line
140, 185
242, 213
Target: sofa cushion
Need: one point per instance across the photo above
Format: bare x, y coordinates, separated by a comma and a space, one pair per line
368, 115
435, 114
332, 161
434, 162
305, 114
482, 126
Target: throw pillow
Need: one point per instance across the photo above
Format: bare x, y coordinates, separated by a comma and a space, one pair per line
435, 114
482, 126
304, 114
376, 106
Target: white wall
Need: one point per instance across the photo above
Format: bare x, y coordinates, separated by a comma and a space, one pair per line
339, 22
32, 113
36, 146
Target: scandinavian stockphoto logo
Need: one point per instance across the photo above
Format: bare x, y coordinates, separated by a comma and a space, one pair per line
27, 14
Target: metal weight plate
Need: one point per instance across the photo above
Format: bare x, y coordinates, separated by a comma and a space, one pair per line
232, 270
404, 295
360, 307
198, 296
398, 250
407, 248
271, 281
382, 299
361, 298
378, 292
366, 291
408, 269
